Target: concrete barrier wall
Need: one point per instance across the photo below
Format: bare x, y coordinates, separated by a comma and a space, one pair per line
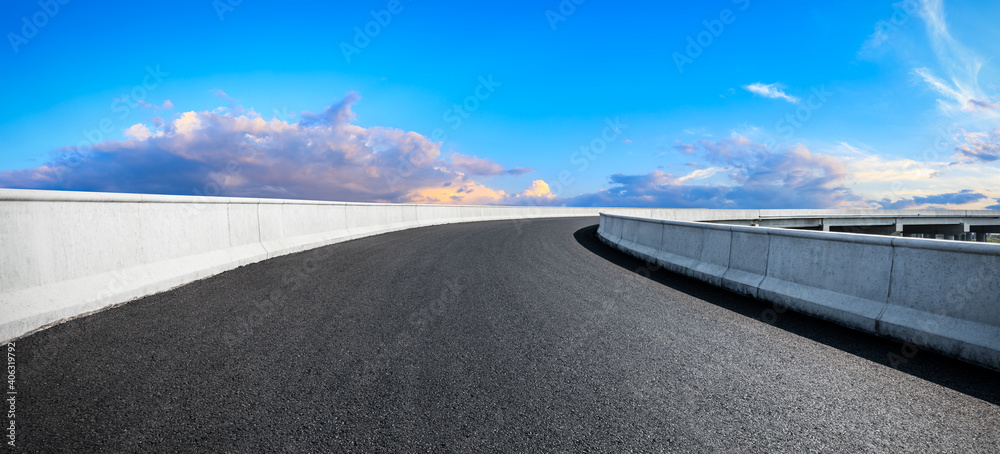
65, 254
748, 254
947, 295
838, 277
939, 295
700, 251
643, 240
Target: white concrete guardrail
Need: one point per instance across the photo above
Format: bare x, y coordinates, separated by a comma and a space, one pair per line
938, 295
66, 254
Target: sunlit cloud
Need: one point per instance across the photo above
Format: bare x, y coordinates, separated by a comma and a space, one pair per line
538, 188
457, 191
977, 147
138, 131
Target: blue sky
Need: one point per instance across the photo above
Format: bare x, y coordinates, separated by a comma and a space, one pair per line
718, 104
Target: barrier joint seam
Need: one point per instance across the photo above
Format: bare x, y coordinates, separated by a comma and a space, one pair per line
767, 262
729, 265
260, 238
138, 217
888, 293
229, 222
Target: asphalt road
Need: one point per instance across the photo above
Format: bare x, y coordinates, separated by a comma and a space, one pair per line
529, 337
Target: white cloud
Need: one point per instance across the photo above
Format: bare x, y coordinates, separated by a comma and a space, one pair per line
538, 188
138, 131
774, 91
702, 174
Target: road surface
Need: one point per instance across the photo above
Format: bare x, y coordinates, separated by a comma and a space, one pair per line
529, 336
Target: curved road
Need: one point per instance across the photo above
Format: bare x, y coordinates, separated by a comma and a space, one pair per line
528, 336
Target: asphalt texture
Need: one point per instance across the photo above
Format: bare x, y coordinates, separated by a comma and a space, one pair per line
494, 336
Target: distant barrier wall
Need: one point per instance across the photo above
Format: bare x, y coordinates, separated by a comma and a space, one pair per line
939, 295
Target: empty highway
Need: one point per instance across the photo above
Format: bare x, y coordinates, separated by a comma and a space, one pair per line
527, 336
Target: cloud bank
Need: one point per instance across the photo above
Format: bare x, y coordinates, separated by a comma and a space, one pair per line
935, 201
743, 174
233, 152
737, 172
